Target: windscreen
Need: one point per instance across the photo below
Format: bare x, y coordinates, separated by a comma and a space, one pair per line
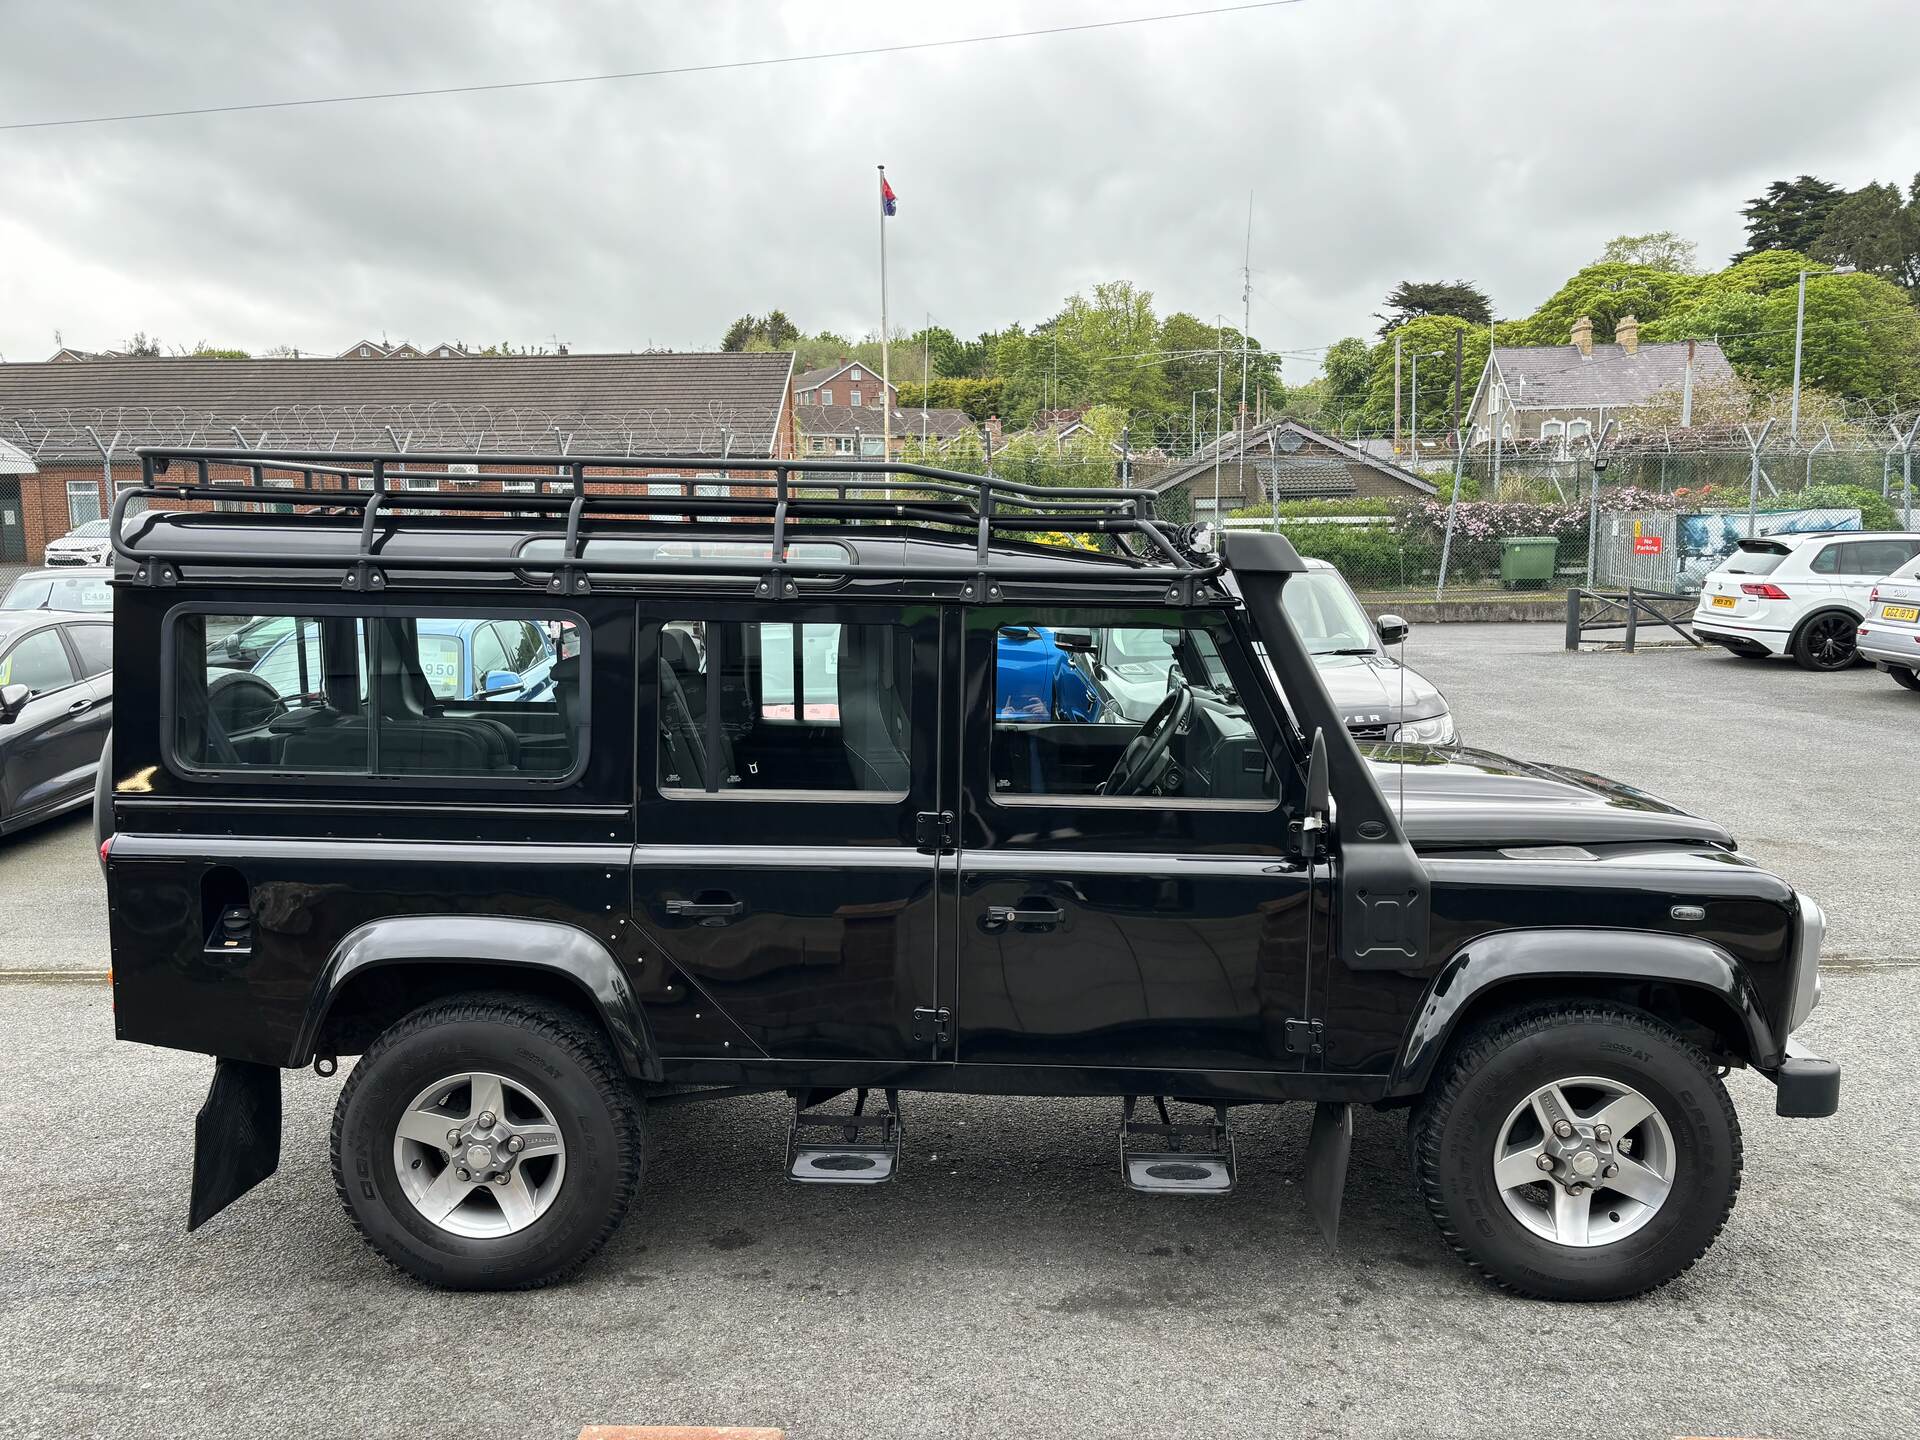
88, 591
1325, 613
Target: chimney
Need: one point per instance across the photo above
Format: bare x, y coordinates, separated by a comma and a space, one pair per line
994, 433
1626, 334
1583, 335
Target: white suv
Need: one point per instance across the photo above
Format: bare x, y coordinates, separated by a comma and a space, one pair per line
1890, 633
1799, 595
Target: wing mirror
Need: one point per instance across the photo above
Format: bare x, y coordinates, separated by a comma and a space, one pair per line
13, 699
500, 682
1393, 630
1313, 821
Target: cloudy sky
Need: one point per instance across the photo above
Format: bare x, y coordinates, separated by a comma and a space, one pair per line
1382, 139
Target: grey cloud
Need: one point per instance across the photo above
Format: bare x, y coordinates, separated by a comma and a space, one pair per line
1382, 140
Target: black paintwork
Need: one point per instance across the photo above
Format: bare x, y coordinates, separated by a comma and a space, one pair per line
1187, 937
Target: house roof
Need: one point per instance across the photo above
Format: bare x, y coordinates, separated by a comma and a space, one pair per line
15, 461
618, 404
812, 378
843, 419
1559, 376
1268, 441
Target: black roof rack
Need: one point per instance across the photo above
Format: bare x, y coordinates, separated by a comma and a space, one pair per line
802, 499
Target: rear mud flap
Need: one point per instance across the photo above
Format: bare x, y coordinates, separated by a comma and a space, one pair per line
1328, 1145
236, 1137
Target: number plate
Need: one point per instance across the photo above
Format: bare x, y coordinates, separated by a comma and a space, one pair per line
1722, 602
1900, 612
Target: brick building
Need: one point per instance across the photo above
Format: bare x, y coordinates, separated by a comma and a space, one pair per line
80, 423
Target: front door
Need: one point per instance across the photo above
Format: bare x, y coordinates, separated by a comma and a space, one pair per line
785, 760
49, 750
1128, 895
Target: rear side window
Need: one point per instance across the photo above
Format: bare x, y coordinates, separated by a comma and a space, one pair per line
749, 707
387, 695
95, 644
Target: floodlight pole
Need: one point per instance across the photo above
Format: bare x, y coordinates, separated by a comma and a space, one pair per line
1453, 502
1799, 335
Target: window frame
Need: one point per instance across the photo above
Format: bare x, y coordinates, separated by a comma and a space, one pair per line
1242, 667
660, 617
167, 709
83, 489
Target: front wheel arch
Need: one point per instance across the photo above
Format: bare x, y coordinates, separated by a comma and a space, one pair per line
1692, 985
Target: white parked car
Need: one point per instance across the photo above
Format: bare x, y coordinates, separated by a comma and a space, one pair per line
1799, 595
85, 544
1889, 636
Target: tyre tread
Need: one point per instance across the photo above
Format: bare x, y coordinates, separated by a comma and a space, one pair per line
582, 1044
1496, 1034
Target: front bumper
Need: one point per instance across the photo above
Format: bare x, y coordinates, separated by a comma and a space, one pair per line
1806, 1086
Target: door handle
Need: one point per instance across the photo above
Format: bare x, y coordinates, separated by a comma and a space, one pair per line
707, 912
1019, 915
77, 706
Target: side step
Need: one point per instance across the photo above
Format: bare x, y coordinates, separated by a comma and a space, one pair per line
857, 1149
1168, 1157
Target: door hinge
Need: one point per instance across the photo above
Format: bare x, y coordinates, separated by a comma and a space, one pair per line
933, 832
932, 1027
1305, 1037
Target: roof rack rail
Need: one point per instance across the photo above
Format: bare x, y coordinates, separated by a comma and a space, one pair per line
798, 498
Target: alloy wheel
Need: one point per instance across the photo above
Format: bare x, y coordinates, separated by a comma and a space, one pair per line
1584, 1161
479, 1155
1830, 641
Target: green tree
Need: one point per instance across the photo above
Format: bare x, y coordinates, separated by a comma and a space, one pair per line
1411, 299
773, 331
1661, 249
1349, 373
1431, 339
1789, 216
1875, 229
980, 398
1604, 292
142, 346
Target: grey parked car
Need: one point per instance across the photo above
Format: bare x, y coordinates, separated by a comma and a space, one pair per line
66, 588
1381, 700
56, 706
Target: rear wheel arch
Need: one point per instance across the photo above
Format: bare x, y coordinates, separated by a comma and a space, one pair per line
1687, 983
389, 968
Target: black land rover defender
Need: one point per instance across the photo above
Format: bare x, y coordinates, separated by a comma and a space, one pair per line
568, 791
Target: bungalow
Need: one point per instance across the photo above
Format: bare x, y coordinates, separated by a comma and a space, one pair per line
1284, 460
857, 431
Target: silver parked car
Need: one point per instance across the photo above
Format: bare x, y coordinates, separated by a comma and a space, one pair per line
67, 588
1889, 634
1380, 699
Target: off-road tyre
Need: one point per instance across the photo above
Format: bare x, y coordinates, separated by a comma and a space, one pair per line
1811, 649
1453, 1131
1907, 678
559, 1053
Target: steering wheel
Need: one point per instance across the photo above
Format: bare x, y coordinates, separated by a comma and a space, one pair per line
1143, 764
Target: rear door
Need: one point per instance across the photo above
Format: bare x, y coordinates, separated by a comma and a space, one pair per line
1167, 929
787, 754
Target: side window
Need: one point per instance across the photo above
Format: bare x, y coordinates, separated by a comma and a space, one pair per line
95, 644
1827, 562
489, 655
38, 661
1874, 557
375, 695
1138, 714
754, 707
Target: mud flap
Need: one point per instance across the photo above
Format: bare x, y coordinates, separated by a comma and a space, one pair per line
236, 1137
1328, 1145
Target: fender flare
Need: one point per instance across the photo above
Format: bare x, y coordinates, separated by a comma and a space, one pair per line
545, 945
1483, 965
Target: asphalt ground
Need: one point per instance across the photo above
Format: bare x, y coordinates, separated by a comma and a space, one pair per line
1007, 1284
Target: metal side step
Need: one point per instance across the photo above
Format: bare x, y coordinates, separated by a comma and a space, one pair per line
862, 1148
1169, 1157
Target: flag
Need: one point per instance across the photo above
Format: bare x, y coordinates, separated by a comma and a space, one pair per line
888, 203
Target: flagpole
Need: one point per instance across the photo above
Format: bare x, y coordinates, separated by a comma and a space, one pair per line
886, 367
